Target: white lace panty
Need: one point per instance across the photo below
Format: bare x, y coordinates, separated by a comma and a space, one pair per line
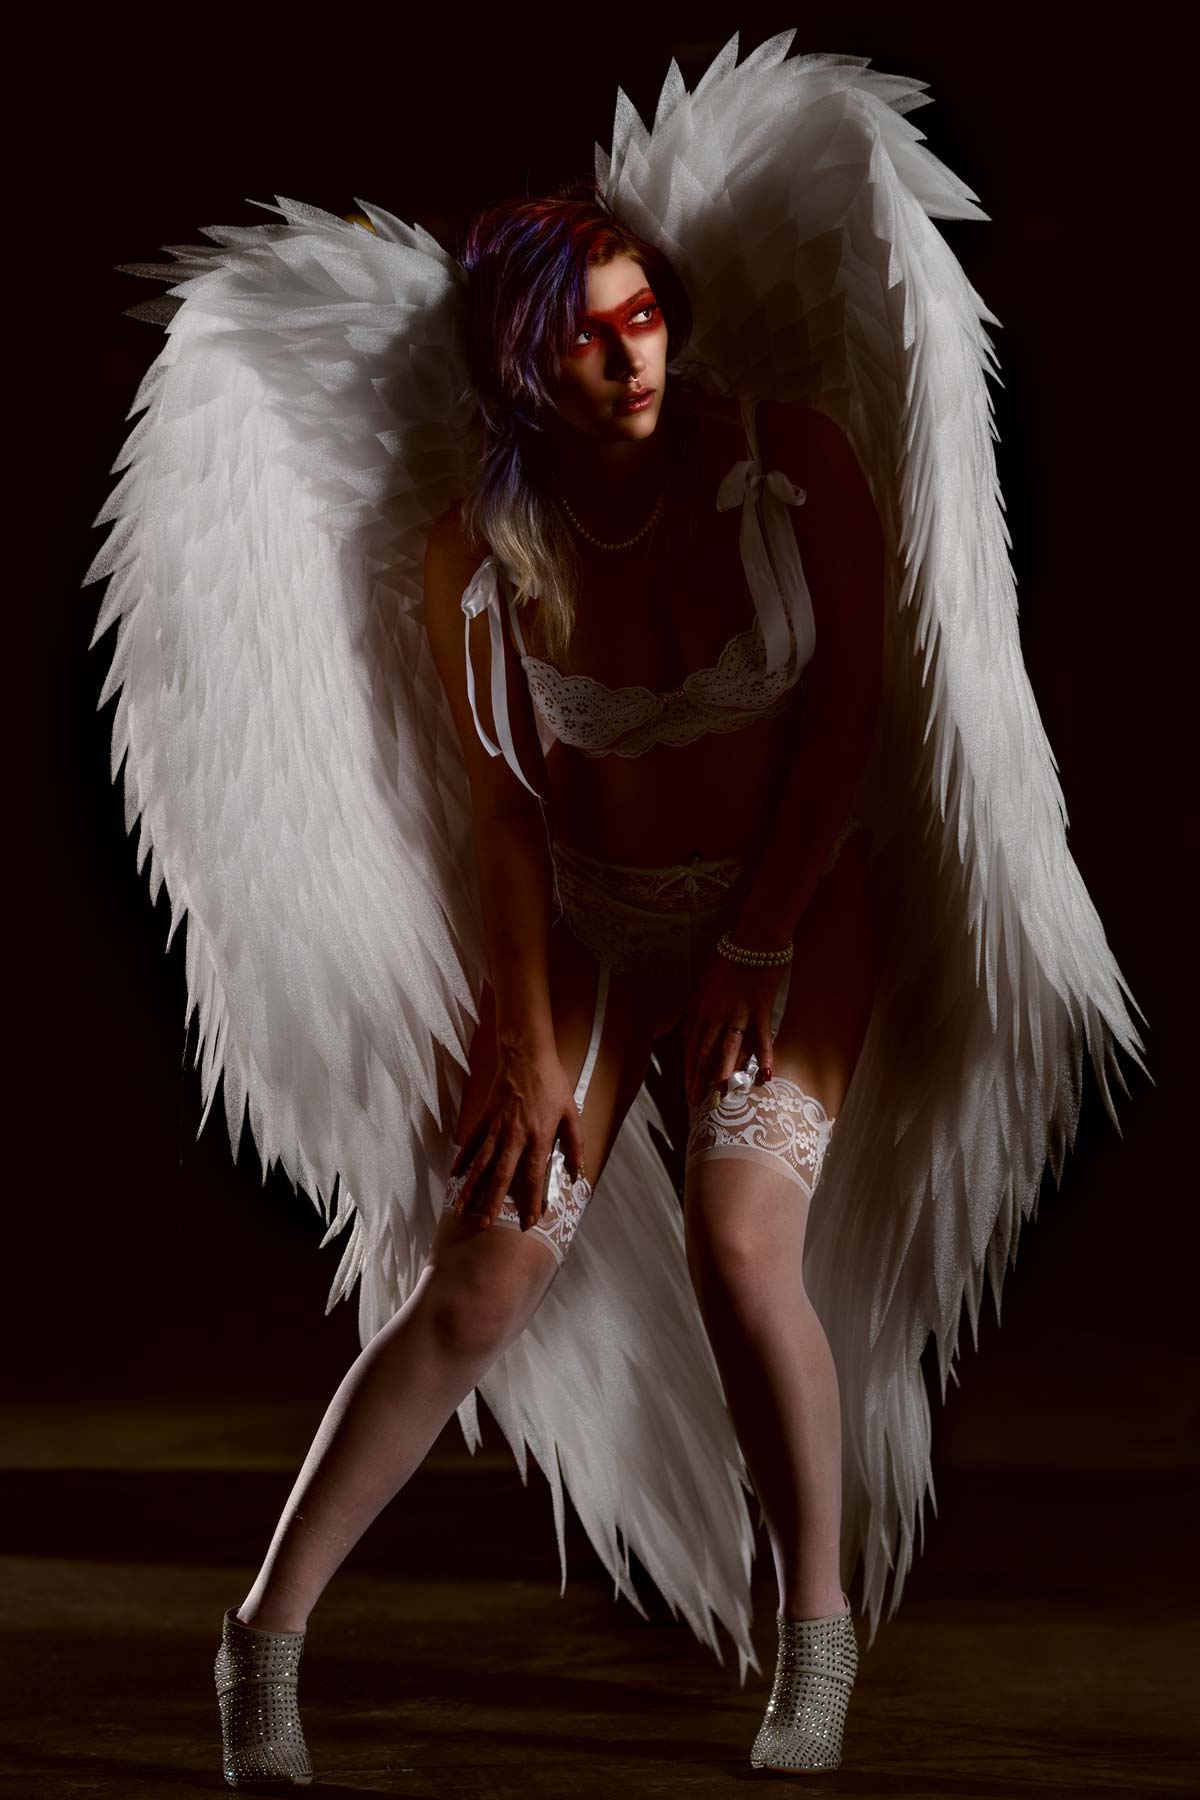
777, 1121
657, 924
566, 1200
654, 924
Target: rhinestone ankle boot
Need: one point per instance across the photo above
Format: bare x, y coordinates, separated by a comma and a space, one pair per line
256, 1674
815, 1671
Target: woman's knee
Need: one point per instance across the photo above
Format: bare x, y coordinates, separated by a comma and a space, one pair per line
475, 1305
738, 1225
753, 1161
734, 1271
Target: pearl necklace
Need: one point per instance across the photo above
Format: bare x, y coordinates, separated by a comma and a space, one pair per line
599, 542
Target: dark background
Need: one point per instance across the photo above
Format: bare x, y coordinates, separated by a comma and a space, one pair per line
165, 1305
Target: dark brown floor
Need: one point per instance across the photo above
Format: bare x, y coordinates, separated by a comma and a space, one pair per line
1042, 1647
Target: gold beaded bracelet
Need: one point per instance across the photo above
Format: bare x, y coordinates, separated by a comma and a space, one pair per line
757, 958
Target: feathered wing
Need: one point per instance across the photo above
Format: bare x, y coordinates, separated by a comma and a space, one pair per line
293, 762
278, 715
797, 202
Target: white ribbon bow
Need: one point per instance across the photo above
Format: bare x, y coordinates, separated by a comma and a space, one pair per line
773, 567
742, 1080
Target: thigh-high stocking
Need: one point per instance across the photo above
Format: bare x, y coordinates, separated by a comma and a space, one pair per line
752, 1165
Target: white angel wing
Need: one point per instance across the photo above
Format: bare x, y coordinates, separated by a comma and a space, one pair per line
278, 708
293, 761
796, 201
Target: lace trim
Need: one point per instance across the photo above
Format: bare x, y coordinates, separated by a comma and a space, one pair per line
694, 885
777, 1120
650, 923
655, 924
585, 714
565, 1207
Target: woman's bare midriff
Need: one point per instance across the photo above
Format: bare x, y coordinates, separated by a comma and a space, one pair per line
650, 622
716, 797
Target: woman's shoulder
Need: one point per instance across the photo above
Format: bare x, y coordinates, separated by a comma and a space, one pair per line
709, 415
802, 440
713, 428
451, 559
447, 531
727, 408
806, 443
450, 546
815, 453
790, 432
701, 405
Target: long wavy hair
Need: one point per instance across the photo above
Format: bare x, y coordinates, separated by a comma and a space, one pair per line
527, 263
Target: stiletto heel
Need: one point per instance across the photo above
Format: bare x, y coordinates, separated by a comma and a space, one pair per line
256, 1674
806, 1714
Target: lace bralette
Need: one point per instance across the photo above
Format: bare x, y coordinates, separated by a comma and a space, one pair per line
751, 678
601, 721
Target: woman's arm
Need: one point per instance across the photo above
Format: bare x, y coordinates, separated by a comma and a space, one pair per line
510, 835
842, 548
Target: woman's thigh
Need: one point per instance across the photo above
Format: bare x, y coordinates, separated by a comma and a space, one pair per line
622, 1059
832, 986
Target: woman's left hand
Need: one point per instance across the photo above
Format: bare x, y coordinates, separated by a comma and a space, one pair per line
729, 1017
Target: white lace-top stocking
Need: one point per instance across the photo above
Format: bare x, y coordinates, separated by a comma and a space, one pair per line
778, 1121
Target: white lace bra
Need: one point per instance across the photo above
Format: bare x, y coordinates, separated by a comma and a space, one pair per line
751, 678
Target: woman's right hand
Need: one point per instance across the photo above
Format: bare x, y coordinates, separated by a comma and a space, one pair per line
530, 1103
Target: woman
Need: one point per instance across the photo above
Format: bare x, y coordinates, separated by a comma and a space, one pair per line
587, 432
578, 759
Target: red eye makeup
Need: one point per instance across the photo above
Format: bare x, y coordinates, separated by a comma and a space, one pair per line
623, 316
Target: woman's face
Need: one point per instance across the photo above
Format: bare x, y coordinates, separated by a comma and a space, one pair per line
619, 350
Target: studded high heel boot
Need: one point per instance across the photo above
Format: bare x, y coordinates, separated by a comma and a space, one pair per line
817, 1665
256, 1674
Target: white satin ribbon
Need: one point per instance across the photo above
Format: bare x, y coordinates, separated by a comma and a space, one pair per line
773, 567
483, 594
742, 1080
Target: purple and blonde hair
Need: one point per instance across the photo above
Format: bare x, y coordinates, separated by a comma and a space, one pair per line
527, 263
